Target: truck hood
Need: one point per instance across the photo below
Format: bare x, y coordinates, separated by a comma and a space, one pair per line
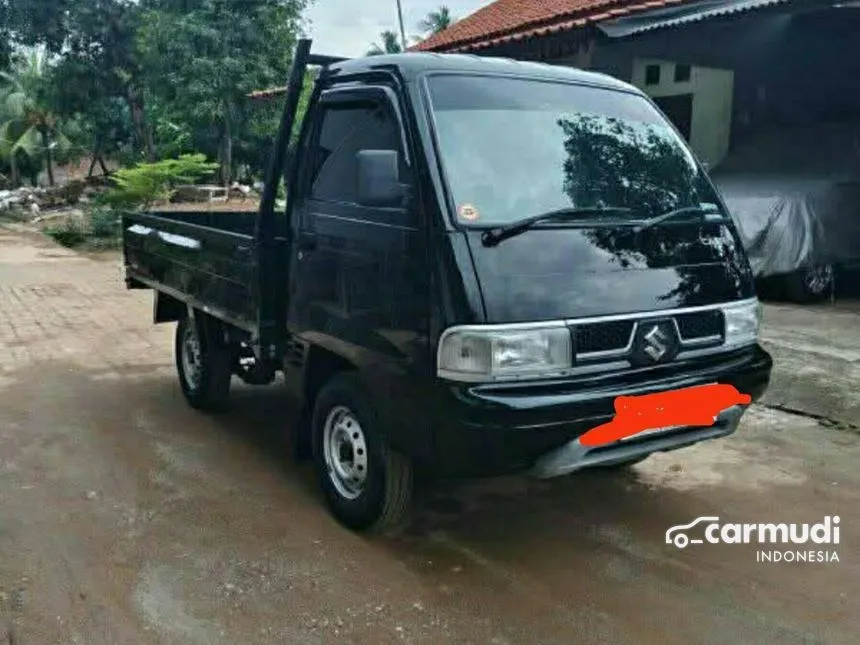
552, 273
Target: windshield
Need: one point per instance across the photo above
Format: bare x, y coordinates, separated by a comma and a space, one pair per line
513, 148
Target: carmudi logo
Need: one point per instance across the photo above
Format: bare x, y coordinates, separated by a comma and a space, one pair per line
823, 535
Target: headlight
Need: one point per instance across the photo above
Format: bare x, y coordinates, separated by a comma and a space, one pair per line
475, 354
742, 323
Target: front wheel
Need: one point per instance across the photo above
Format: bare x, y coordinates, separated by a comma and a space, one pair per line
205, 366
366, 484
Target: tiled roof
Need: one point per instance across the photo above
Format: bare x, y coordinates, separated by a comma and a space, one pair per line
507, 20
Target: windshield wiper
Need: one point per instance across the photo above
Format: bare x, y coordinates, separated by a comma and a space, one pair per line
493, 236
687, 210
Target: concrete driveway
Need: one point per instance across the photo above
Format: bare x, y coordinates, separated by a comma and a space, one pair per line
125, 517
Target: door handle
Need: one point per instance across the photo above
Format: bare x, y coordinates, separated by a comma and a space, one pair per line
307, 241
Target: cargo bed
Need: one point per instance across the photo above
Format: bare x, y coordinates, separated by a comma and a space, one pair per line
204, 259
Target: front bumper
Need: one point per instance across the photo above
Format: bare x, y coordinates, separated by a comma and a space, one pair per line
574, 456
484, 430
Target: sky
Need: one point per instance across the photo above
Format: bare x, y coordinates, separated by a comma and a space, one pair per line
341, 28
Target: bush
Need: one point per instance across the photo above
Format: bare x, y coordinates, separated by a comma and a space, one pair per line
70, 233
99, 229
104, 223
145, 183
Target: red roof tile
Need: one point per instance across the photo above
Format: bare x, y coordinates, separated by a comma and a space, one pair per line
506, 20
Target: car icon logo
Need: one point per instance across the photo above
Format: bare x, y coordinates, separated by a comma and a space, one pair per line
677, 535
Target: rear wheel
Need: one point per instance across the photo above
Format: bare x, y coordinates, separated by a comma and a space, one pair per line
367, 485
204, 365
811, 284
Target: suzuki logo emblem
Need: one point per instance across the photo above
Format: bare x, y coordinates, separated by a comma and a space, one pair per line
656, 343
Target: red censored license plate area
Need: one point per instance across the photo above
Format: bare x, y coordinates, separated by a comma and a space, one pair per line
662, 412
645, 433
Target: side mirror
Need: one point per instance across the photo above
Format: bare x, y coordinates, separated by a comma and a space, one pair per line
379, 179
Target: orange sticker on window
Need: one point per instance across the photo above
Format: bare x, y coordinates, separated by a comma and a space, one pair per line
468, 212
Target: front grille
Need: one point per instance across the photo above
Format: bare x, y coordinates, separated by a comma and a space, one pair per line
603, 336
700, 324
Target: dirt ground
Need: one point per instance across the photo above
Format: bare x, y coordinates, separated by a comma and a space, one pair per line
126, 517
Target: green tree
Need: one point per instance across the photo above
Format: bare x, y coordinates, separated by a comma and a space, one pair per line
92, 98
390, 44
28, 122
202, 58
436, 21
5, 37
95, 41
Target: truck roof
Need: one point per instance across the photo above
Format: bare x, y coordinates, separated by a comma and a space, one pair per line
412, 64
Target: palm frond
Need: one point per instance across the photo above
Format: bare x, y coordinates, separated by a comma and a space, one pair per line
6, 141
437, 21
14, 105
62, 142
29, 143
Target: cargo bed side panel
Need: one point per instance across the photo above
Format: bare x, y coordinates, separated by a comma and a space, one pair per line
212, 269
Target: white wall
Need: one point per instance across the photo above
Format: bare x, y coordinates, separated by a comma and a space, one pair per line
712, 90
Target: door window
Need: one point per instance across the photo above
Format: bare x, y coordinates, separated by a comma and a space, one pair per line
344, 131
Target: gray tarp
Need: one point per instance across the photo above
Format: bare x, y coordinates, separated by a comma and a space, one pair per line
795, 196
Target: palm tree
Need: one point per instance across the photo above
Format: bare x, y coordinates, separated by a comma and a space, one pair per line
390, 44
437, 21
28, 125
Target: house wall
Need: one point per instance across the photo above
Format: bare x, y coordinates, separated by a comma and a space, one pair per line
597, 57
787, 70
712, 91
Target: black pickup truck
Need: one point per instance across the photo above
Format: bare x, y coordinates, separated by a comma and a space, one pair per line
477, 256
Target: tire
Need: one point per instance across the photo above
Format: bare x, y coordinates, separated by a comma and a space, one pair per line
366, 484
812, 284
204, 378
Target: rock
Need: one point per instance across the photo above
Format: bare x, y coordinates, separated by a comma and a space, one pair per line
10, 199
34, 200
194, 193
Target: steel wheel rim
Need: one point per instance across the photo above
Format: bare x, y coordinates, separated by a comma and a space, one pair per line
345, 452
192, 361
817, 278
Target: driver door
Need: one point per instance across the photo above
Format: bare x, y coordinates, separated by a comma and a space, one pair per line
358, 280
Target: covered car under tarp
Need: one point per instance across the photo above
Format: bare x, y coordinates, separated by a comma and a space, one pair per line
795, 195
